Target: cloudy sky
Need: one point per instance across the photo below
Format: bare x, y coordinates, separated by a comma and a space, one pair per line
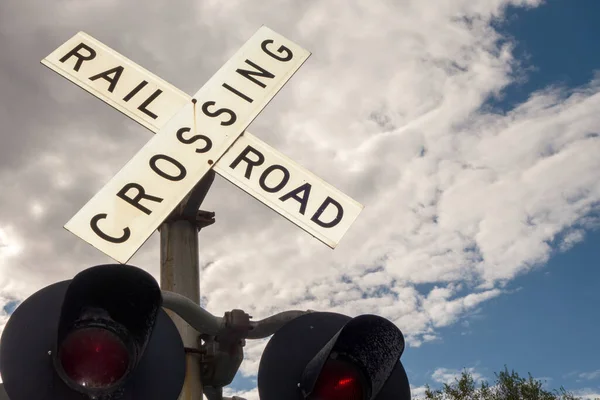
469, 130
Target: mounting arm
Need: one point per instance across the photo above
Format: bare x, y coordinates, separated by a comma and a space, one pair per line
204, 322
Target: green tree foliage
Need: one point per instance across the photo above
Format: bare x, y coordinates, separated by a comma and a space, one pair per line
507, 386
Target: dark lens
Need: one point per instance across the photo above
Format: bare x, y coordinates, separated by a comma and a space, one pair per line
339, 380
94, 357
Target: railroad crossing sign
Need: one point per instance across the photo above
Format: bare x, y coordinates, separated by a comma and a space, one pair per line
193, 135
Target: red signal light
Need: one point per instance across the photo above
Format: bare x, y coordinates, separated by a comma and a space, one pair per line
339, 380
94, 357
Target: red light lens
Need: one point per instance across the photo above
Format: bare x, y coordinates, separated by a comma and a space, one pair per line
338, 380
94, 357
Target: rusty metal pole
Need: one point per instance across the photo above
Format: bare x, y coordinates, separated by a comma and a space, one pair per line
180, 272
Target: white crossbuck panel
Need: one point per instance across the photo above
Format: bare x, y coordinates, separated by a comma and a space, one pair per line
121, 217
288, 188
252, 165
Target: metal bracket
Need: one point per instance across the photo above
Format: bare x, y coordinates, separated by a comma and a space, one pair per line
221, 342
222, 354
204, 218
188, 209
237, 326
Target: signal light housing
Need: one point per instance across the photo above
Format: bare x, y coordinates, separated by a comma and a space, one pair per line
101, 335
330, 356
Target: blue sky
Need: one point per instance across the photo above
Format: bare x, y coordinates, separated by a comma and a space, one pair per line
550, 325
556, 40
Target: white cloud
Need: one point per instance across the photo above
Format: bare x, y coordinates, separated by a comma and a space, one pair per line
571, 238
388, 109
590, 375
450, 376
245, 394
545, 382
587, 394
417, 392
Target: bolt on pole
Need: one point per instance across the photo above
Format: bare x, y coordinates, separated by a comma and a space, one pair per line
180, 271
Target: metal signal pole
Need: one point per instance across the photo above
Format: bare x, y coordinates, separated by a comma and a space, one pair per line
180, 271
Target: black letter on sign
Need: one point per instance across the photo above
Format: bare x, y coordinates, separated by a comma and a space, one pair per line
147, 102
336, 220
294, 195
232, 116
243, 157
80, 57
237, 93
135, 91
182, 172
280, 185
105, 75
282, 49
141, 194
97, 231
248, 74
207, 141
